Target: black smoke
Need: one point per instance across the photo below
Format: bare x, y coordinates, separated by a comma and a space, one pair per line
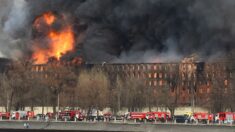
146, 30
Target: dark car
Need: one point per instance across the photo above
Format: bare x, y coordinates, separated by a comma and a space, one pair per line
180, 119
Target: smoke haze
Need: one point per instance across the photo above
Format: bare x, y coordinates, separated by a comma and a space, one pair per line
13, 15
128, 30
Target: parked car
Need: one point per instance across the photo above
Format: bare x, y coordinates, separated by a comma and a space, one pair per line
180, 119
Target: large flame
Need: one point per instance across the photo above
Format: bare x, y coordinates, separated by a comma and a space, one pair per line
59, 42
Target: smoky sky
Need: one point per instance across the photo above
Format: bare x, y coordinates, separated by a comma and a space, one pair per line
136, 30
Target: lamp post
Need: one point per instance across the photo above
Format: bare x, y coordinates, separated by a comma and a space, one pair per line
58, 105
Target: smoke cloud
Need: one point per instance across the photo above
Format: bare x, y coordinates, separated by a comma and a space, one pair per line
13, 15
132, 30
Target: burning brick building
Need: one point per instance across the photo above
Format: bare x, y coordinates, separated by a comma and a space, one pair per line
192, 80
188, 78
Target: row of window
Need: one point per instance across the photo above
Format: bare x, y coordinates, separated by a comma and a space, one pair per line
183, 83
143, 67
215, 67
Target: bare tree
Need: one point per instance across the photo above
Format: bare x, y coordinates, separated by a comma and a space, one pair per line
117, 102
19, 81
92, 89
134, 95
168, 95
231, 67
57, 79
7, 92
39, 92
217, 95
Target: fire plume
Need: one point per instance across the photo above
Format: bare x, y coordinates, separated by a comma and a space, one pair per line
58, 42
49, 18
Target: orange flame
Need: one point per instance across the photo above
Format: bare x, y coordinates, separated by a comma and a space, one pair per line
49, 18
60, 42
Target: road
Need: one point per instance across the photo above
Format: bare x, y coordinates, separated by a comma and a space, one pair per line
18, 126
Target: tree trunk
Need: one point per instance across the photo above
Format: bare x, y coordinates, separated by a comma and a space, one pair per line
119, 101
43, 109
10, 102
32, 105
32, 108
7, 103
54, 108
172, 110
58, 102
150, 109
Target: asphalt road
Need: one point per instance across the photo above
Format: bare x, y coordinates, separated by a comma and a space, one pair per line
18, 126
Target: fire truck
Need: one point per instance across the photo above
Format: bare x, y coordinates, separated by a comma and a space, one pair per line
30, 114
108, 116
162, 116
5, 115
203, 117
226, 117
150, 116
50, 115
140, 116
17, 115
71, 115
79, 116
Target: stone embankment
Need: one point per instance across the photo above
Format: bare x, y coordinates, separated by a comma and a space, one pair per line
18, 126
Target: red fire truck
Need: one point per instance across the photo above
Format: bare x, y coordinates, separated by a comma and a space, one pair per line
108, 116
203, 117
50, 115
140, 116
79, 116
30, 114
5, 115
162, 116
70, 115
150, 116
226, 117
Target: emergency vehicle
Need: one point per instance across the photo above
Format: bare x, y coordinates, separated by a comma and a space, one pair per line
108, 116
79, 116
30, 114
203, 117
5, 115
162, 116
50, 115
70, 115
226, 117
140, 116
150, 116
17, 115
